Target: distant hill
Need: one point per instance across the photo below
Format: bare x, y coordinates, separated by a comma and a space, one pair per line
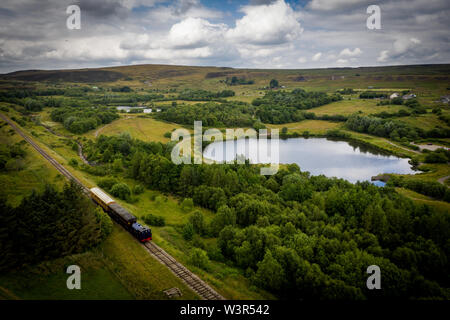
170, 73
85, 75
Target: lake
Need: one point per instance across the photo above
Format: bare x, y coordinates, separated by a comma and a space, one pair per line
341, 159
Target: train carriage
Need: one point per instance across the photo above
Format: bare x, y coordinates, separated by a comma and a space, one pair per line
121, 215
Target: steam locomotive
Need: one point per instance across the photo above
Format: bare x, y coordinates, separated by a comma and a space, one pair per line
121, 215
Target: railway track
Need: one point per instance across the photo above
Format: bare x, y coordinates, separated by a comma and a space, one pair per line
191, 280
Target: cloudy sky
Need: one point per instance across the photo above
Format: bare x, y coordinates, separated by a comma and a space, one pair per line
248, 34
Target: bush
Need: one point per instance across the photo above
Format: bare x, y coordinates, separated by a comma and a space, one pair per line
199, 258
168, 134
153, 220
187, 204
438, 156
73, 162
106, 225
188, 231
107, 183
138, 189
121, 190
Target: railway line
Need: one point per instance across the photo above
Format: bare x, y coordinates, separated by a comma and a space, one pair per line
189, 278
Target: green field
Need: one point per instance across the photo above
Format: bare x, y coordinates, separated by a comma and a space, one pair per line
146, 129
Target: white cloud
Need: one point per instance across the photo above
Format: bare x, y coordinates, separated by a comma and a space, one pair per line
271, 24
194, 33
302, 60
327, 5
403, 44
349, 53
317, 56
342, 61
384, 55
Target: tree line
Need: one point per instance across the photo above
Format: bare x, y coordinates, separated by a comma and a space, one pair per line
49, 225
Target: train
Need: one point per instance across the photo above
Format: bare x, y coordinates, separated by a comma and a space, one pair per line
120, 215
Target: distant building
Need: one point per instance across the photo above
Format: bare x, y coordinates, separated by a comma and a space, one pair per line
147, 110
409, 96
394, 95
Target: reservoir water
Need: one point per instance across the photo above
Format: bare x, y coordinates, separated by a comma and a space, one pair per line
341, 159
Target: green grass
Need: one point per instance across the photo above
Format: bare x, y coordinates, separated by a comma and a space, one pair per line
146, 129
347, 107
440, 206
119, 268
15, 185
319, 127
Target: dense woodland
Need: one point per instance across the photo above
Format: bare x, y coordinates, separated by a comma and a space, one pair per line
81, 120
295, 235
48, 225
392, 129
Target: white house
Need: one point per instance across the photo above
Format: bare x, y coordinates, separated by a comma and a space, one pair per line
394, 95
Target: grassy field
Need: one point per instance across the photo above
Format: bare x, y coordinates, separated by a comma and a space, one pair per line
37, 171
347, 107
319, 127
146, 129
440, 206
119, 268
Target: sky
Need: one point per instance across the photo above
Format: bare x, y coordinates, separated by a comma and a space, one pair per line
225, 33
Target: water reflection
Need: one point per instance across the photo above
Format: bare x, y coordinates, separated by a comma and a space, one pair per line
350, 161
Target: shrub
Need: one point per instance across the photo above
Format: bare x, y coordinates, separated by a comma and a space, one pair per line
199, 258
106, 225
73, 162
107, 183
188, 231
187, 204
121, 190
138, 189
153, 220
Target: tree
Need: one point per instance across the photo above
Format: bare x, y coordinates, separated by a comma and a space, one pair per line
187, 204
273, 83
121, 190
270, 273
199, 258
225, 216
197, 222
188, 231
